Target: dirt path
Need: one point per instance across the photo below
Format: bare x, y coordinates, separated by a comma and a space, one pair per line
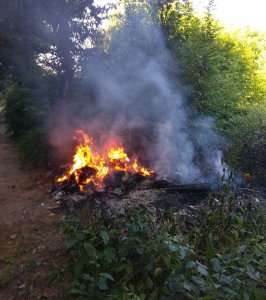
32, 258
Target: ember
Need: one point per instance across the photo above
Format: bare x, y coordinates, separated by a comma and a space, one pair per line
90, 168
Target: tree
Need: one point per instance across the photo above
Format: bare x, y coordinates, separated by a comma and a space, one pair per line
20, 39
69, 25
56, 29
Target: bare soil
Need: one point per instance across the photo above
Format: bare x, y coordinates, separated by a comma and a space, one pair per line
32, 257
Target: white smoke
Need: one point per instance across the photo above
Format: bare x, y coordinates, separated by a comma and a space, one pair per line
140, 102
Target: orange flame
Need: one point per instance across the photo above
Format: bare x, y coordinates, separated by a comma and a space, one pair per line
89, 167
118, 159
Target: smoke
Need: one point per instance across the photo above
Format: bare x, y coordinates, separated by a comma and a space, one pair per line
139, 101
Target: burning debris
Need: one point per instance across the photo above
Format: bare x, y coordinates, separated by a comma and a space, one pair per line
115, 181
134, 99
91, 169
137, 102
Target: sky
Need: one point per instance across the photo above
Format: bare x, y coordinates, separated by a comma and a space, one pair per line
238, 13
233, 13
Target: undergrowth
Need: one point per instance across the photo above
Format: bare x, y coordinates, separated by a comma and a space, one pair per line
142, 256
25, 114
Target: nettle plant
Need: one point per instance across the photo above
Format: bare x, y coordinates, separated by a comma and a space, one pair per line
146, 257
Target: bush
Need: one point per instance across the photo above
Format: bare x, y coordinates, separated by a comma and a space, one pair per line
20, 112
25, 113
142, 257
247, 153
228, 76
34, 147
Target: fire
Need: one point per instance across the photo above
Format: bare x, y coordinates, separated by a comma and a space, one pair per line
90, 167
118, 159
139, 169
86, 157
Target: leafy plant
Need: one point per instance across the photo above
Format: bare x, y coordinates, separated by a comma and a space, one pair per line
247, 153
226, 71
148, 257
25, 110
20, 112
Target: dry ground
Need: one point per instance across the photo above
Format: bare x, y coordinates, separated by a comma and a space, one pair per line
32, 257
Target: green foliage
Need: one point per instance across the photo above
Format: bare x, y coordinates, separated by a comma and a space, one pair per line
231, 238
25, 111
248, 151
42, 51
29, 29
33, 145
20, 112
125, 261
226, 71
222, 67
21, 39
228, 223
147, 257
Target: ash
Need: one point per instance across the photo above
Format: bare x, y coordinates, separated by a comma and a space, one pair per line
124, 191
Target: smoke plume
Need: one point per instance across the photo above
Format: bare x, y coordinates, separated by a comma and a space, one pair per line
139, 101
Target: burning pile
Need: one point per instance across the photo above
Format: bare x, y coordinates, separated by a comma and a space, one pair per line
90, 168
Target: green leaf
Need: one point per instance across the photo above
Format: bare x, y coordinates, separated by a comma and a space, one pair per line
129, 268
71, 244
242, 248
209, 252
245, 296
105, 237
182, 252
109, 253
202, 269
87, 277
157, 272
155, 294
80, 264
188, 286
90, 249
190, 264
173, 284
102, 283
171, 247
216, 265
251, 273
148, 282
76, 291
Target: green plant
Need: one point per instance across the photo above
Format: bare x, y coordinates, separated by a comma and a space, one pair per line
226, 71
231, 241
26, 112
34, 147
248, 132
56, 274
147, 257
7, 273
21, 113
137, 259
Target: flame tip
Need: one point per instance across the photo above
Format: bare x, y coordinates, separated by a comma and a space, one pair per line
86, 156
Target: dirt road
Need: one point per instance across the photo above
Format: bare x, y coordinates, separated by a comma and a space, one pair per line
32, 257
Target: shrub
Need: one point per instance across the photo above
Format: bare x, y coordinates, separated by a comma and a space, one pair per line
34, 147
227, 73
20, 112
25, 113
142, 257
247, 153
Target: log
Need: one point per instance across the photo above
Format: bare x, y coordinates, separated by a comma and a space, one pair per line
182, 188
